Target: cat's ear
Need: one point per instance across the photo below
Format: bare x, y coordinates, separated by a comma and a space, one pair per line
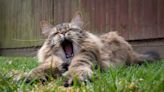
45, 27
77, 20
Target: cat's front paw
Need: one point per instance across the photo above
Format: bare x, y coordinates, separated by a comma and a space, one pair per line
28, 78
68, 83
31, 78
79, 81
79, 75
16, 75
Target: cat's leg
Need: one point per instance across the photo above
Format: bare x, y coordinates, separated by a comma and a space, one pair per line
81, 67
51, 67
82, 71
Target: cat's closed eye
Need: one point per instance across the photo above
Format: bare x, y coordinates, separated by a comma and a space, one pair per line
54, 34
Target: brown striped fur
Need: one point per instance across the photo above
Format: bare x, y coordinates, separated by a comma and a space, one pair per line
107, 50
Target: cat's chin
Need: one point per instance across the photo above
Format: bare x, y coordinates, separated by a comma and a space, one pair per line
67, 46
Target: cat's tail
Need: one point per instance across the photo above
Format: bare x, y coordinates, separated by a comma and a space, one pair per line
149, 56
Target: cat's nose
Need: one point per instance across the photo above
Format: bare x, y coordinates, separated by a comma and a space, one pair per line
62, 37
64, 33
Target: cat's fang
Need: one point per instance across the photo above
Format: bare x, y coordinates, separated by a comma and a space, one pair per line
72, 55
67, 56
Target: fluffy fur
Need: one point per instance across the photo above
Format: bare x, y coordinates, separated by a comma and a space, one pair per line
71, 50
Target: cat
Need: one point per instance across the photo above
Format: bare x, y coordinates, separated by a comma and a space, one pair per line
71, 50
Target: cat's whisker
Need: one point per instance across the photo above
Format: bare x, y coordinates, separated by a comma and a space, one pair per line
77, 44
55, 42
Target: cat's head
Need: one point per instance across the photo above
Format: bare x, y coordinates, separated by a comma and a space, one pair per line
65, 34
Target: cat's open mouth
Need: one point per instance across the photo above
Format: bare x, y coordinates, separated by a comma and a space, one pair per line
68, 48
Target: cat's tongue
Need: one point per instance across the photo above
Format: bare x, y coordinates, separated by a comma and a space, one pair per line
68, 51
68, 48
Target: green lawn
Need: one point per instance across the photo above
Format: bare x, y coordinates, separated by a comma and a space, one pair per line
148, 77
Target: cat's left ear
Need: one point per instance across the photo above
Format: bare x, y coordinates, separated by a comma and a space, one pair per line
45, 27
77, 20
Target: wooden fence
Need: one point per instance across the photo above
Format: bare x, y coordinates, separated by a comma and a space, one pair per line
19, 21
133, 19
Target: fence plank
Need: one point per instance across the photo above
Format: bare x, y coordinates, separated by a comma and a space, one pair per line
134, 19
160, 18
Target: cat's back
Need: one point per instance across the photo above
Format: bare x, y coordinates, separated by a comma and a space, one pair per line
114, 41
95, 40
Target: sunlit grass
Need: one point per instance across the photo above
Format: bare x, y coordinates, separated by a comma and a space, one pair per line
148, 77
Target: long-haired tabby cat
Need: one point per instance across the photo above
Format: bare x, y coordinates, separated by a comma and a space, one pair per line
70, 49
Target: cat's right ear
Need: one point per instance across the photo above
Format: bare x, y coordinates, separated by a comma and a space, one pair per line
45, 27
77, 20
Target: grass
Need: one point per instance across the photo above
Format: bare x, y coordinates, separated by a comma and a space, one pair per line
148, 77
